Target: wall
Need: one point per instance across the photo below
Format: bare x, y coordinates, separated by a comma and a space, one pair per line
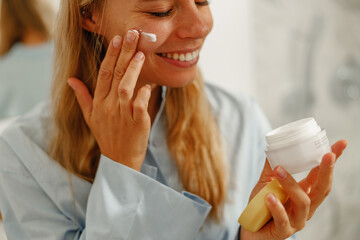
298, 49
225, 57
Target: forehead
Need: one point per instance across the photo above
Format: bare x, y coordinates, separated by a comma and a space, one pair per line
140, 3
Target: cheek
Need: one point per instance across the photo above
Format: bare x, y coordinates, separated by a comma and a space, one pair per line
161, 31
209, 20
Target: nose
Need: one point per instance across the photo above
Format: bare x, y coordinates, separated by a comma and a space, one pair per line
194, 22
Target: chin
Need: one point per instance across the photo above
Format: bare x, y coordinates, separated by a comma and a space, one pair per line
177, 83
171, 79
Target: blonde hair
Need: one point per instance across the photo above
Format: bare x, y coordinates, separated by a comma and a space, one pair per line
19, 16
193, 137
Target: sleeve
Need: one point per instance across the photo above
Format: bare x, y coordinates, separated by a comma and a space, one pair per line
135, 206
122, 204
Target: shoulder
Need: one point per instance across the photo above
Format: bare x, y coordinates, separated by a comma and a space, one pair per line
220, 97
35, 124
19, 53
24, 136
236, 110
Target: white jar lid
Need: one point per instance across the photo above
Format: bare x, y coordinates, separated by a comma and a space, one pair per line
292, 133
297, 146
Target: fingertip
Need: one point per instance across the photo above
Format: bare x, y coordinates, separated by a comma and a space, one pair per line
280, 172
148, 86
139, 56
344, 143
146, 92
116, 42
71, 82
330, 155
271, 199
339, 146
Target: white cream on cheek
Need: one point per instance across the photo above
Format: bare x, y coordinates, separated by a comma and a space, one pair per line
151, 37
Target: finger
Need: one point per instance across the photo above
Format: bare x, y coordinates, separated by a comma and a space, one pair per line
106, 70
322, 187
127, 53
312, 177
83, 97
127, 85
339, 147
310, 180
267, 173
141, 103
300, 200
282, 226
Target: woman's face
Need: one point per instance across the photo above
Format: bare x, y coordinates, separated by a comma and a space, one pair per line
181, 27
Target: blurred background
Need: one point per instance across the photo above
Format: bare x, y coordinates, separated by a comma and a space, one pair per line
297, 58
26, 51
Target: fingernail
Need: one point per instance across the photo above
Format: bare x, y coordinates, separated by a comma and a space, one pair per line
131, 35
271, 198
281, 172
139, 56
148, 86
117, 42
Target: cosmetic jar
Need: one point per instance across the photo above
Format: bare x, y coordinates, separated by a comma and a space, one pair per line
297, 146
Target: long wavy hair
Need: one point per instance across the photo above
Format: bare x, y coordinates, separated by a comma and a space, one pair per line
193, 137
19, 16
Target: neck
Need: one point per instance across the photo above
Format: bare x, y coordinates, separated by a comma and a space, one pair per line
31, 38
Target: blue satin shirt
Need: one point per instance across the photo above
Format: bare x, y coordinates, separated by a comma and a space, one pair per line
37, 202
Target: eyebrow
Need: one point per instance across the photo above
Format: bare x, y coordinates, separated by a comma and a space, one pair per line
152, 0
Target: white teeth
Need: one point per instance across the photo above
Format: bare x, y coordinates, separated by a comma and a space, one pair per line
194, 55
176, 56
188, 57
181, 56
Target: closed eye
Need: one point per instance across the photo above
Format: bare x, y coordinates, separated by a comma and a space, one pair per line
161, 14
168, 13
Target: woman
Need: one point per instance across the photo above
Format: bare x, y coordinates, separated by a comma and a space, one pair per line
147, 150
25, 55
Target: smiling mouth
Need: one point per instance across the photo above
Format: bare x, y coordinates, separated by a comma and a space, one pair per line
182, 57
